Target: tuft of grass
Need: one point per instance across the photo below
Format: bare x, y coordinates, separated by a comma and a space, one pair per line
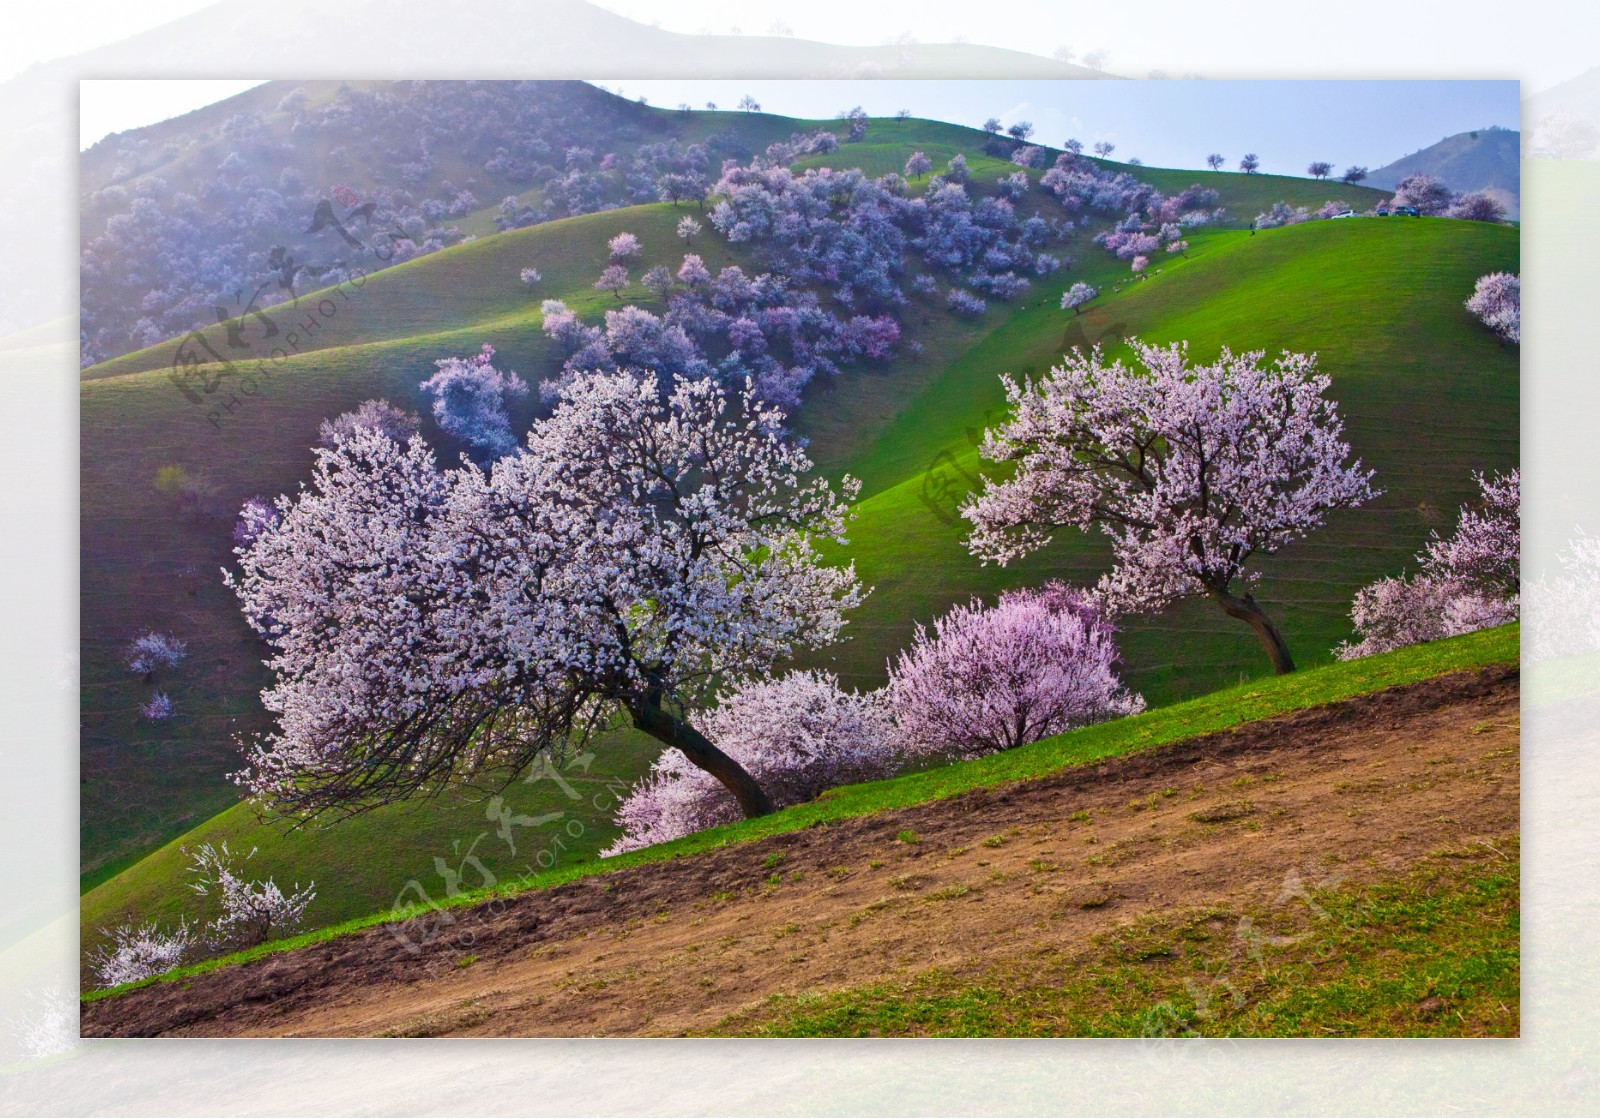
1223, 813
909, 836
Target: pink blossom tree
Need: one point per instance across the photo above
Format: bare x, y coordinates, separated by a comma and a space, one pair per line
1427, 194
1191, 470
1140, 263
377, 415
1319, 169
431, 626
1038, 663
1497, 301
1468, 581
1076, 296
624, 246
613, 279
797, 735
1179, 247
689, 229
1250, 164
151, 652
256, 513
1477, 205
918, 165
1215, 161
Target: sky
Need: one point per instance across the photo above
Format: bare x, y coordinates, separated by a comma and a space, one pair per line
1164, 123
106, 105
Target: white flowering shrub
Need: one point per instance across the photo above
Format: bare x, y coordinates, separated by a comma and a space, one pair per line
135, 952
150, 652
252, 912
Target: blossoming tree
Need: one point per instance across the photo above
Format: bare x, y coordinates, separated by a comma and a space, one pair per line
1038, 663
1470, 580
1192, 470
798, 735
432, 626
1497, 301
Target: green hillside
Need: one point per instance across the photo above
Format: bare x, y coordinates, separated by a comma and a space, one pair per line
1380, 301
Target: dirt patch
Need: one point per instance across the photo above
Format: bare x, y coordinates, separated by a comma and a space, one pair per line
1362, 788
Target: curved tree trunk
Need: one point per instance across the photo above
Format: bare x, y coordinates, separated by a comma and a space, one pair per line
1247, 609
699, 749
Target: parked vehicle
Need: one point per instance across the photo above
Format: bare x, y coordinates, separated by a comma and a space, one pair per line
1383, 211
1345, 214
1407, 212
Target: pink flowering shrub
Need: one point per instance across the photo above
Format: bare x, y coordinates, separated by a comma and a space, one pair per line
797, 735
374, 415
150, 652
624, 246
1468, 581
988, 679
1497, 301
159, 708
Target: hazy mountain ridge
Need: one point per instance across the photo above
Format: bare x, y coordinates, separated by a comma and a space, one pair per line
1487, 159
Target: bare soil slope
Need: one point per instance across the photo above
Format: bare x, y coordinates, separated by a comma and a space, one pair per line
1368, 787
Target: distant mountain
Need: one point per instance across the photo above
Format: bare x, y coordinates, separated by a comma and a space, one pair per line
1564, 120
1489, 159
549, 38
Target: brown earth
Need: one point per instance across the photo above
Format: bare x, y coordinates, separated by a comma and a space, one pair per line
1364, 788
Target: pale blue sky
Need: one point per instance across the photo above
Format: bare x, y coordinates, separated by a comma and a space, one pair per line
1165, 123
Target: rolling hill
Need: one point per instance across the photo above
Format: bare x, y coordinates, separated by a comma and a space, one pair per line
1380, 302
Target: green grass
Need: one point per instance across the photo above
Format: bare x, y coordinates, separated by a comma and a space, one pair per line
1433, 953
1231, 707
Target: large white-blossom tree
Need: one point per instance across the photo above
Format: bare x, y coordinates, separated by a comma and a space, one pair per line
433, 625
1191, 469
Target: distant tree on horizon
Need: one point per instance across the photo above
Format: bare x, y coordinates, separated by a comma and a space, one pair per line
1215, 161
1320, 169
1250, 164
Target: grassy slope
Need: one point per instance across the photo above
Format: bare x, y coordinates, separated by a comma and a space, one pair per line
150, 882
1377, 300
144, 785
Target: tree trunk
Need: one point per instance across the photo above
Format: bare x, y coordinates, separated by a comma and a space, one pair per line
699, 749
1247, 609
